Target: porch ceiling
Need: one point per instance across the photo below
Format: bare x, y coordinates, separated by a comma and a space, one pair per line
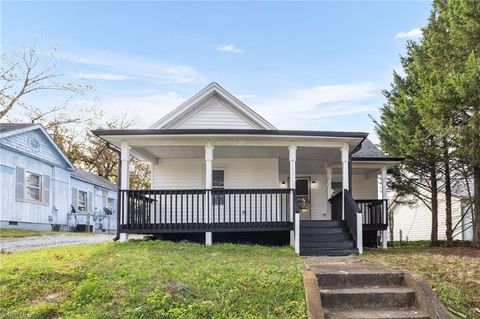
235, 144
281, 152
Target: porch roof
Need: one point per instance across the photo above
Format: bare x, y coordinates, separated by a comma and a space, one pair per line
152, 144
144, 132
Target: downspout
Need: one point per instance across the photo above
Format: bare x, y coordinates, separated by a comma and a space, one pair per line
116, 150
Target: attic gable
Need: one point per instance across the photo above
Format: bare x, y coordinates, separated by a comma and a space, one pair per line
34, 141
213, 107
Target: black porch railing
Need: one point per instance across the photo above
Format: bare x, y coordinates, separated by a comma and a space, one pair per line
373, 215
373, 211
200, 210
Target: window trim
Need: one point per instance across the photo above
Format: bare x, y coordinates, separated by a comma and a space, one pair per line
40, 187
218, 199
85, 205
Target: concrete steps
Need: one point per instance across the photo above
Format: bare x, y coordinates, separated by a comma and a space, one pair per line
326, 238
367, 291
375, 313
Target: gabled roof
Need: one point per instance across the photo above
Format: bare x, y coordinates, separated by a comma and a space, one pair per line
370, 152
10, 129
7, 127
188, 108
93, 179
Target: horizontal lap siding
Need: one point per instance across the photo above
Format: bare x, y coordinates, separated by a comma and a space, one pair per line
365, 187
415, 221
318, 196
215, 115
239, 174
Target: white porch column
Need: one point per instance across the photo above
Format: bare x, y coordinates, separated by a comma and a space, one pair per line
208, 186
385, 207
292, 154
328, 171
124, 181
345, 175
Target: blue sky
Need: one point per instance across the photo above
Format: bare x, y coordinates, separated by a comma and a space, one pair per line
318, 66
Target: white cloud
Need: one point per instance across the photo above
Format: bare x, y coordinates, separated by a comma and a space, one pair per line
304, 107
102, 76
134, 66
229, 48
147, 108
414, 33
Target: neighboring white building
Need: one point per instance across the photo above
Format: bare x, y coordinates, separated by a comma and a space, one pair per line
414, 222
40, 189
219, 167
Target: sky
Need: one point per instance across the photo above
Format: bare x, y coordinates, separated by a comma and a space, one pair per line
301, 65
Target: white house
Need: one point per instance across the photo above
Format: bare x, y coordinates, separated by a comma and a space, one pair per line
40, 189
219, 167
413, 221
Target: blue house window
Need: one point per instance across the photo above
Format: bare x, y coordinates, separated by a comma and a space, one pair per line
82, 201
33, 187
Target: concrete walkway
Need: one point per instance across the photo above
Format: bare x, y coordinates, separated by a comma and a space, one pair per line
20, 243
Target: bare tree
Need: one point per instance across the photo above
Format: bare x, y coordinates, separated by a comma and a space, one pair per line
23, 76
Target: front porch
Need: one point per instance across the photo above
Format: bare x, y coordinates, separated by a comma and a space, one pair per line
227, 181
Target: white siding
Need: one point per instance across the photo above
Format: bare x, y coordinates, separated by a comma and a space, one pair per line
215, 114
415, 222
363, 187
318, 196
239, 174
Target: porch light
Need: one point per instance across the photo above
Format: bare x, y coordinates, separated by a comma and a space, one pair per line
314, 184
283, 185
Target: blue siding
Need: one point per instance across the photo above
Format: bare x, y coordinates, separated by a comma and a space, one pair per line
46, 152
46, 162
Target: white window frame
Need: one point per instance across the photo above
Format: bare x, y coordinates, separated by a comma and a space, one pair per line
219, 199
85, 204
40, 187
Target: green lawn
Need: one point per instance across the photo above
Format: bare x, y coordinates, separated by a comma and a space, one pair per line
152, 279
453, 273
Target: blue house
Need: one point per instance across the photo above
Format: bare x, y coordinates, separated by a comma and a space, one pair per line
41, 189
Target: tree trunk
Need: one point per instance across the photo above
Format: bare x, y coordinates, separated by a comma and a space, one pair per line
434, 205
476, 207
448, 198
390, 226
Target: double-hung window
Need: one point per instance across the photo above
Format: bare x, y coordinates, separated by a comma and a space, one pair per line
82, 201
218, 183
33, 187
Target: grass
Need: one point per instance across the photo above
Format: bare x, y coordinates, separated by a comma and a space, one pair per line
11, 232
453, 273
152, 279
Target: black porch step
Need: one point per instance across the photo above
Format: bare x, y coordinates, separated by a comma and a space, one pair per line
324, 230
327, 252
322, 223
325, 237
327, 244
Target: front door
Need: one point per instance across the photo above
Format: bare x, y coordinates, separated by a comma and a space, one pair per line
302, 187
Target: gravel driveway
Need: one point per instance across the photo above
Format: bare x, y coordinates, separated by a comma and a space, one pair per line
13, 244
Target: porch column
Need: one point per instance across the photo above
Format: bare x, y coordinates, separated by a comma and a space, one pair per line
124, 182
345, 175
385, 206
208, 186
328, 171
292, 154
